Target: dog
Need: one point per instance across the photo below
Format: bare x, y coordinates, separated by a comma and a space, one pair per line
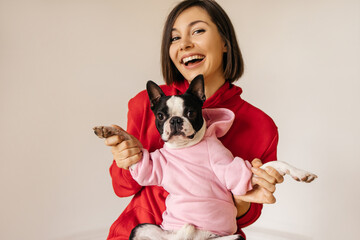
188, 136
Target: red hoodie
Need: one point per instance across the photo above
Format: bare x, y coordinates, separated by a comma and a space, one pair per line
252, 135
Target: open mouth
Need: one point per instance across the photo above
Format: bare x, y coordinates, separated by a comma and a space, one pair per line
188, 61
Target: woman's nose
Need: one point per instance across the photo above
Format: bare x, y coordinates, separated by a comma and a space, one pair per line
186, 43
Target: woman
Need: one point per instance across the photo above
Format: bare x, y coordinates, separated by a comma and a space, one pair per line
198, 38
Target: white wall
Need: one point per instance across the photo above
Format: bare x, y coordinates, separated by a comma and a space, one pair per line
66, 66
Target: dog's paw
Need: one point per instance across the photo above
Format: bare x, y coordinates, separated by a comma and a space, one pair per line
104, 131
296, 173
302, 175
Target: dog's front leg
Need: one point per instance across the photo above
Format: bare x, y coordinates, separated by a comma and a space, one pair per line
285, 168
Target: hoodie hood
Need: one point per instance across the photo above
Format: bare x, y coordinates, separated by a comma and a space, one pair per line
218, 121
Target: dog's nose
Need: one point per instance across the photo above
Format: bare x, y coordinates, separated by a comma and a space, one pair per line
176, 120
176, 124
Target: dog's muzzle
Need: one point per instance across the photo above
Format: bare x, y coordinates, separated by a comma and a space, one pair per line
176, 126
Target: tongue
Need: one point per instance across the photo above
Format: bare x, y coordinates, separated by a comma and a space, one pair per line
192, 62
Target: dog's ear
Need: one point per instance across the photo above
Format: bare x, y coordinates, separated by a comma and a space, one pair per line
154, 92
197, 87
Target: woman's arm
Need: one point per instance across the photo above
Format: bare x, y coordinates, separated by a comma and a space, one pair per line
127, 152
250, 205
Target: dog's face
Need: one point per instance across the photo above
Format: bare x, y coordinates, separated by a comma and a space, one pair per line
179, 118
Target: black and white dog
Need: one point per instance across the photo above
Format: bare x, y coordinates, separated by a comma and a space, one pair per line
180, 123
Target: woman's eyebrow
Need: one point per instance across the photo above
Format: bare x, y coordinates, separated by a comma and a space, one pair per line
192, 24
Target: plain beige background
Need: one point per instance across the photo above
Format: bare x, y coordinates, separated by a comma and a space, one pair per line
66, 66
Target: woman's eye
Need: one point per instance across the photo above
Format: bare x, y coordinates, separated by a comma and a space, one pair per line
198, 31
160, 116
173, 39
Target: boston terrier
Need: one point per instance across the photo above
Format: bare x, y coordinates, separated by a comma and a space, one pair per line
184, 128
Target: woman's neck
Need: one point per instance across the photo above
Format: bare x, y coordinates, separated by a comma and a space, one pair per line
212, 85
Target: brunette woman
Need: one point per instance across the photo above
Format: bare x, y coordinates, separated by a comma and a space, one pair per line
198, 38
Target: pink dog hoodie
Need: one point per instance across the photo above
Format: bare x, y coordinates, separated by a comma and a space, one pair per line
199, 178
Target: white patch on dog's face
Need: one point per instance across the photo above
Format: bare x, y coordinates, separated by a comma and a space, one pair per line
176, 106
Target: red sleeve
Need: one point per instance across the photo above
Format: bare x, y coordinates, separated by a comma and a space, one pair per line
255, 209
123, 183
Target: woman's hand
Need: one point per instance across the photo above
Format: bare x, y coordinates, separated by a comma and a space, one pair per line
264, 182
125, 152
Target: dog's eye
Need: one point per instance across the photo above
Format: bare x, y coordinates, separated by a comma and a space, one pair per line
160, 116
191, 114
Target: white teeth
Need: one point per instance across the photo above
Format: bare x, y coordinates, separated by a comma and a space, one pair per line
188, 59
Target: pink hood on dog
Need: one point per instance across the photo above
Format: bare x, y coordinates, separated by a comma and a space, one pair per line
199, 178
218, 121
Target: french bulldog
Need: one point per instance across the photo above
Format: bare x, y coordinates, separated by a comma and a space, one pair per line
181, 124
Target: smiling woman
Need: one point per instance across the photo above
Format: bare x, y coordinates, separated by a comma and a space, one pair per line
197, 48
209, 19
69, 65
198, 38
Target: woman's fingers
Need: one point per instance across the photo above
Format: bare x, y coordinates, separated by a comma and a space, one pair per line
256, 163
263, 184
258, 195
126, 153
272, 172
263, 174
126, 163
268, 197
126, 149
127, 144
113, 140
264, 181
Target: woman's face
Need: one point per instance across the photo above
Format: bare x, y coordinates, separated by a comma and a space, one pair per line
196, 46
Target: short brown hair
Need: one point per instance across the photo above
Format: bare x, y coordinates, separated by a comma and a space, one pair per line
233, 64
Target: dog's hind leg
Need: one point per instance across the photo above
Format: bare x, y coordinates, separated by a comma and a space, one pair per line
285, 168
230, 237
148, 231
189, 232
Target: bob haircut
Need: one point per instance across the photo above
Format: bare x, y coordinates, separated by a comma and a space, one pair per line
233, 64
